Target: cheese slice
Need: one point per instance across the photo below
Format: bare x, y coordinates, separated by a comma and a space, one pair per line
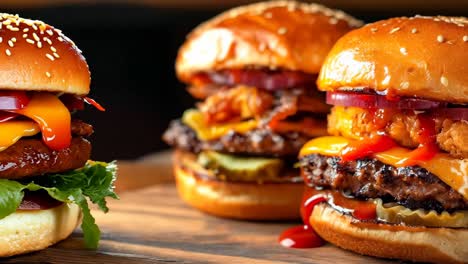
194, 119
53, 118
452, 171
12, 131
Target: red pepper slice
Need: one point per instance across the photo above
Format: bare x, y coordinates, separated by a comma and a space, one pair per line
94, 103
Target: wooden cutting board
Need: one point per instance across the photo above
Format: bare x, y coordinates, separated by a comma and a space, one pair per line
149, 224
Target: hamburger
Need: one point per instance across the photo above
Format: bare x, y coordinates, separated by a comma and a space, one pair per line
45, 173
253, 69
391, 179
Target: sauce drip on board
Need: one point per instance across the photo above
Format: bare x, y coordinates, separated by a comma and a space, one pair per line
304, 236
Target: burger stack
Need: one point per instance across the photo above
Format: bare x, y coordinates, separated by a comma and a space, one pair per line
254, 70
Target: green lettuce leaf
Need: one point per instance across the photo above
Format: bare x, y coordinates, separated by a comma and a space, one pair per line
94, 181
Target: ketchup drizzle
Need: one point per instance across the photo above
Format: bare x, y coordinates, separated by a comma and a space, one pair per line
303, 236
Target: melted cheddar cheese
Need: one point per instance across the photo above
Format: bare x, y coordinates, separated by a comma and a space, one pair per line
12, 131
195, 120
452, 171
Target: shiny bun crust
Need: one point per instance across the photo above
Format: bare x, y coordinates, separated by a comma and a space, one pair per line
248, 201
434, 245
417, 57
277, 34
27, 231
37, 57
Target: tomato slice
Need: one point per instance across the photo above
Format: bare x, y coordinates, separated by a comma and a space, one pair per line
379, 101
13, 100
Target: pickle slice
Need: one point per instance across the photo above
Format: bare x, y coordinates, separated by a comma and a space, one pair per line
398, 214
237, 168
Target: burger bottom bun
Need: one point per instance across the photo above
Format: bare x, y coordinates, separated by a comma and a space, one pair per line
26, 231
248, 201
435, 245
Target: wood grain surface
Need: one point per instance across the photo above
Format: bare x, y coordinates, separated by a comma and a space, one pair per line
149, 224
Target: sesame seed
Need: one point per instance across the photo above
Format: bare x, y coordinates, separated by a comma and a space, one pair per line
36, 37
34, 26
8, 52
53, 49
465, 38
414, 31
282, 30
56, 55
373, 29
404, 85
25, 35
46, 39
1, 39
6, 22
394, 30
25, 29
60, 39
30, 41
403, 51
39, 44
12, 28
48, 74
444, 81
13, 39
440, 38
50, 57
50, 32
10, 43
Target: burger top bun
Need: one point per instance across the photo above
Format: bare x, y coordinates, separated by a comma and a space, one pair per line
273, 35
419, 56
37, 57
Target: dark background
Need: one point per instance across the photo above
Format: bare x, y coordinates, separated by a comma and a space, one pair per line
131, 46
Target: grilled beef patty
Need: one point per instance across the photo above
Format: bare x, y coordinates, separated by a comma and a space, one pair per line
259, 142
412, 187
31, 157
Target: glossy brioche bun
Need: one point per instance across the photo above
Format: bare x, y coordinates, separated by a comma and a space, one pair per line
37, 57
435, 245
419, 56
249, 201
277, 34
26, 231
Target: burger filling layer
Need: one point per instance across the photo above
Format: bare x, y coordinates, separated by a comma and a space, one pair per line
403, 160
44, 157
250, 123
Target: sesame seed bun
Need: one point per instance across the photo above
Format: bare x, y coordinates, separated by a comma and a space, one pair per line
273, 35
37, 57
419, 244
248, 201
27, 231
416, 57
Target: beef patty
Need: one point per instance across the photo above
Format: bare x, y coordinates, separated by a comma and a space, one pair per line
31, 157
412, 187
259, 142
